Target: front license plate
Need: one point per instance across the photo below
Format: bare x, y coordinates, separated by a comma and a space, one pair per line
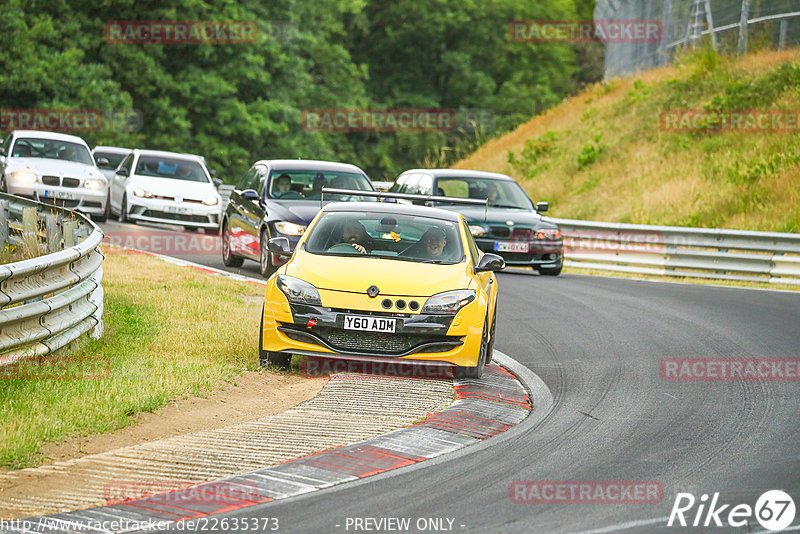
64, 195
369, 324
510, 246
177, 209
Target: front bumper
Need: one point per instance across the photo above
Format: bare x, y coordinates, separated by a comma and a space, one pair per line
186, 213
92, 202
546, 254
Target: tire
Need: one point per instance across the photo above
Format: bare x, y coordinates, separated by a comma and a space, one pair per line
266, 357
265, 265
3, 187
490, 347
228, 258
477, 371
106, 213
123, 210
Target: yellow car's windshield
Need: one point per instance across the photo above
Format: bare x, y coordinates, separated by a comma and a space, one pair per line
378, 235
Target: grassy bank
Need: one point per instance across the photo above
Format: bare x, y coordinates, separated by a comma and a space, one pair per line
603, 155
170, 332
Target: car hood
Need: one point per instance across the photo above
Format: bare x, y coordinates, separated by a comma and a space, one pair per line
500, 216
392, 277
53, 167
173, 188
295, 211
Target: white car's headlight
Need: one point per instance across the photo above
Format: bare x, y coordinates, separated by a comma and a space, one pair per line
24, 177
139, 192
476, 229
211, 201
449, 302
297, 290
94, 184
287, 228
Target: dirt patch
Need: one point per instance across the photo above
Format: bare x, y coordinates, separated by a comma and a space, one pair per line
256, 394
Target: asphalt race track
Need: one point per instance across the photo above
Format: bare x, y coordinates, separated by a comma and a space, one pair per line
597, 343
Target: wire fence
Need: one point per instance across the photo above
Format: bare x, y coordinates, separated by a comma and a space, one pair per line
770, 24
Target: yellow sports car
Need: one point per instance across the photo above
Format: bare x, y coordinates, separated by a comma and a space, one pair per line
380, 280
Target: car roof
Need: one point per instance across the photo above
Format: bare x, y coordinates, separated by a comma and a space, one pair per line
391, 208
39, 134
467, 173
165, 154
113, 149
310, 164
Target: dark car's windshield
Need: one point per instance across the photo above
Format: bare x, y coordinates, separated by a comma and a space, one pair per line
26, 147
396, 237
165, 167
113, 158
501, 193
308, 184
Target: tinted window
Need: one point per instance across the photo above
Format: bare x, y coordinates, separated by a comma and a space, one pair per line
176, 169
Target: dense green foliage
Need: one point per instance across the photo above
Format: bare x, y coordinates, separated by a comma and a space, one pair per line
235, 103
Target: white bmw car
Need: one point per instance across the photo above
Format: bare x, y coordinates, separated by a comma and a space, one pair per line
165, 187
55, 169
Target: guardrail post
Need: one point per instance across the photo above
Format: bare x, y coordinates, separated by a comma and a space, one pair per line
30, 241
783, 32
52, 233
3, 223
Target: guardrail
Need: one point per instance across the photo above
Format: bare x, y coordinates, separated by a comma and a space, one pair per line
49, 300
682, 252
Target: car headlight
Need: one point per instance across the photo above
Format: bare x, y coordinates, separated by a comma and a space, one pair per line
449, 302
476, 229
94, 184
287, 228
24, 177
139, 192
548, 233
211, 201
297, 290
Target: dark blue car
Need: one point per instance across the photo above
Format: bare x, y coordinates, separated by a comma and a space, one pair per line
279, 198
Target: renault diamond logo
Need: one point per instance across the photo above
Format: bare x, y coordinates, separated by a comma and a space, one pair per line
373, 291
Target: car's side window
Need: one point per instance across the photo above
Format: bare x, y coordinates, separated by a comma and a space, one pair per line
260, 178
7, 145
425, 185
127, 163
411, 184
249, 180
473, 248
399, 184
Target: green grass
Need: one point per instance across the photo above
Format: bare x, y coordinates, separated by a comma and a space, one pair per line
170, 332
603, 155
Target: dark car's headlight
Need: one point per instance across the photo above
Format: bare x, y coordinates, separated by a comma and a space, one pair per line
548, 233
449, 302
287, 228
297, 290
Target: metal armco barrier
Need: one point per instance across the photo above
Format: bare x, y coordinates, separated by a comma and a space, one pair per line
682, 252
52, 299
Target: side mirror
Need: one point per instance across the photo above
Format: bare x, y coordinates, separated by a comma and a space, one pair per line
490, 262
103, 162
279, 246
216, 181
122, 172
251, 195
542, 207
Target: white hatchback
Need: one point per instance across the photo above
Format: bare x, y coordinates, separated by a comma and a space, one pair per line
55, 169
165, 187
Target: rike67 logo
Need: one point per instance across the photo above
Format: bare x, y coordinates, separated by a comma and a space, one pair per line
774, 510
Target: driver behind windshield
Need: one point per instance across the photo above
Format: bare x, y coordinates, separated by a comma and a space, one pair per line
354, 233
283, 184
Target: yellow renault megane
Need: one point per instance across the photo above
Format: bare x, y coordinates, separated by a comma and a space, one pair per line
379, 280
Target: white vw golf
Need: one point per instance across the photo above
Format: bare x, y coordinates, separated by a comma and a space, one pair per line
165, 187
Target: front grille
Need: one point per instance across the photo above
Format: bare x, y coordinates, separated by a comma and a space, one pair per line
175, 216
500, 231
51, 180
193, 201
161, 197
71, 182
375, 342
92, 204
69, 204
